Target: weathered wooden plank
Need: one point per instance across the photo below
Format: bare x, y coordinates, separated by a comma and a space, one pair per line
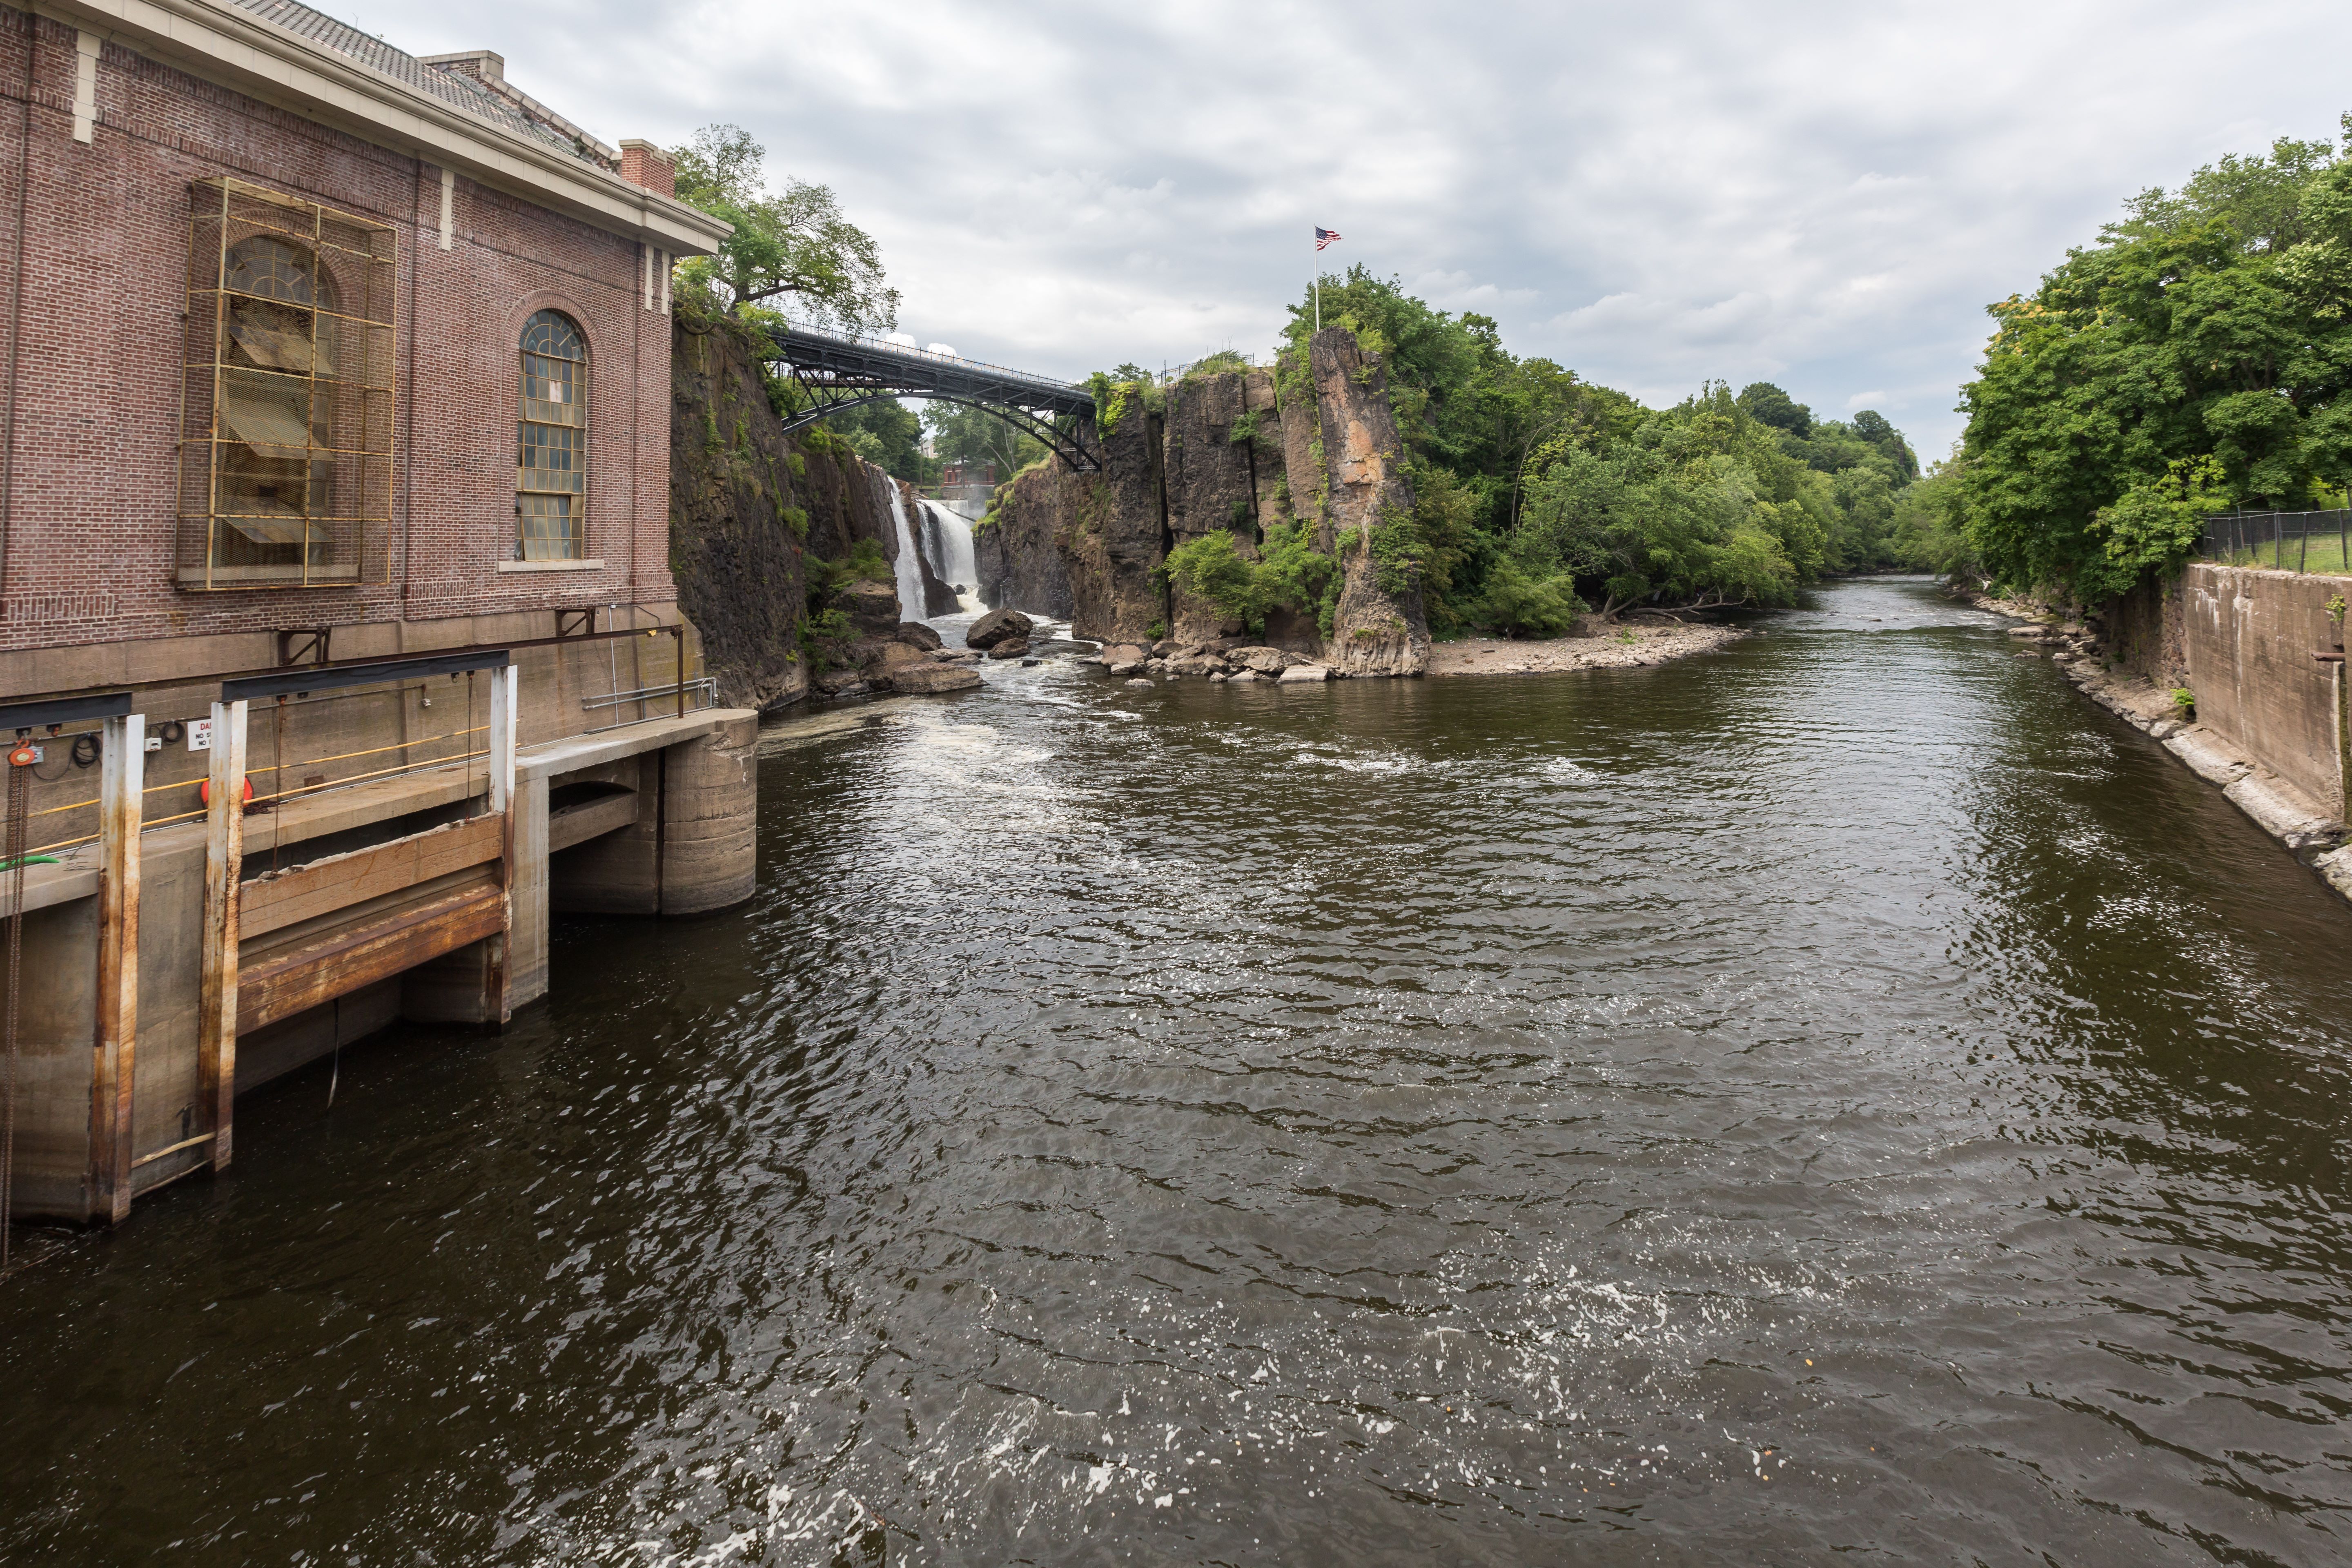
590, 819
305, 893
115, 1044
216, 1011
283, 983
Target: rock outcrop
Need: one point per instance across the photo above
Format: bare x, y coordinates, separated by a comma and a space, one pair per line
1013, 547
1206, 473
750, 508
1314, 441
1379, 626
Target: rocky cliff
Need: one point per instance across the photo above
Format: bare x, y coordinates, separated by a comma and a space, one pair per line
1239, 450
1379, 627
753, 515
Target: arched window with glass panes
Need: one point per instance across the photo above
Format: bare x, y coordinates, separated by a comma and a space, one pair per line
552, 468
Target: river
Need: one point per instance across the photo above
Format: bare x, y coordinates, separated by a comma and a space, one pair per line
1842, 1094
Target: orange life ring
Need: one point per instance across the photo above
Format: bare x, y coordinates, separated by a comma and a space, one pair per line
205, 790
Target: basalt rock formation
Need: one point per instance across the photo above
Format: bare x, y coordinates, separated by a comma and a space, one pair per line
750, 508
1313, 440
1379, 626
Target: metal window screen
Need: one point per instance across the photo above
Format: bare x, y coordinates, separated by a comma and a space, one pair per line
551, 441
286, 405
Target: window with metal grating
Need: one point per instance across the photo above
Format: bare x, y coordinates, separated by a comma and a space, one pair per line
286, 405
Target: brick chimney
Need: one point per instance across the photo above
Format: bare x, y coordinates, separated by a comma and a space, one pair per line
484, 65
643, 164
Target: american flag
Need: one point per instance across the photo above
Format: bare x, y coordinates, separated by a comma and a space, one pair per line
1324, 237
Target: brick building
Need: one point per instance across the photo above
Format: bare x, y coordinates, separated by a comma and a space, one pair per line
321, 357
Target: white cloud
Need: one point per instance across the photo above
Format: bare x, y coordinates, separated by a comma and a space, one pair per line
1822, 195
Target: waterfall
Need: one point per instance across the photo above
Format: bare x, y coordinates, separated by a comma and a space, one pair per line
911, 603
947, 544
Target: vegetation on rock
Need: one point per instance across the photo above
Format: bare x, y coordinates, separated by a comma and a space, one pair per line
1535, 492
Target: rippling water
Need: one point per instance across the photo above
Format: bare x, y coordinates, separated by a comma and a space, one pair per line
1844, 1094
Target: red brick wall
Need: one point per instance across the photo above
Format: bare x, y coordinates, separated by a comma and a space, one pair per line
95, 387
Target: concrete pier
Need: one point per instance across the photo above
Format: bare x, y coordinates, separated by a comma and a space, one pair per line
652, 817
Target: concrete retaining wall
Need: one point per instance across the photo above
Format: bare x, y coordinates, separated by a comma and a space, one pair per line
2249, 637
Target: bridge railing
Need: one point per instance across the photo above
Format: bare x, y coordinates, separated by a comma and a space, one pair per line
889, 346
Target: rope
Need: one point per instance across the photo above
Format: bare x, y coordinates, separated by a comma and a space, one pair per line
20, 795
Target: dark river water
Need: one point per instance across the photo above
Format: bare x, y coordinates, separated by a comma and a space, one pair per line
1844, 1097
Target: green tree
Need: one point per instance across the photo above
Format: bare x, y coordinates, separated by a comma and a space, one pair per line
2198, 355
1767, 405
887, 434
790, 247
962, 434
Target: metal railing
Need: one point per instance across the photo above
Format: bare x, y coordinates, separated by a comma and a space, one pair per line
2280, 540
896, 350
703, 688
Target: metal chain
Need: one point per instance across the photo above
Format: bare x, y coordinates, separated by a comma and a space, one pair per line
20, 796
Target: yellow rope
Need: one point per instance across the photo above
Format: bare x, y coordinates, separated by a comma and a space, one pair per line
307, 763
285, 794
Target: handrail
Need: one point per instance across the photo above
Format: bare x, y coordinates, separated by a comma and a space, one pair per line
860, 340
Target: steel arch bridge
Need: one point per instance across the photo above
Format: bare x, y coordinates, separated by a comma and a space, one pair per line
840, 370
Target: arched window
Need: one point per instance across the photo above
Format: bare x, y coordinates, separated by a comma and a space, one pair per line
286, 408
552, 468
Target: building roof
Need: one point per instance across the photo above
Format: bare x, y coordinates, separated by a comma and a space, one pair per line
457, 88
455, 111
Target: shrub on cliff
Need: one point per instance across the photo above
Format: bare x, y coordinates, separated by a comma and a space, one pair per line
1289, 573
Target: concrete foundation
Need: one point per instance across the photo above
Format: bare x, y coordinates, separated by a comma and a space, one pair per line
650, 817
2265, 662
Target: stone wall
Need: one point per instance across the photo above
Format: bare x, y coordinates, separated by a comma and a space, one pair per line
2146, 632
2250, 640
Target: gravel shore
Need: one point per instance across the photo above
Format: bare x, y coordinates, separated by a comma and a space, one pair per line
1651, 643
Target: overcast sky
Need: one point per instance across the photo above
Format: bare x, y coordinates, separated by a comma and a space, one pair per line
1824, 196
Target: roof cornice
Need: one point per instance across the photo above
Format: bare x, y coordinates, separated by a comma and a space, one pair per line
224, 44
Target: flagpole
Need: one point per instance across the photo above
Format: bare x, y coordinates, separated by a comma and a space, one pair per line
1315, 275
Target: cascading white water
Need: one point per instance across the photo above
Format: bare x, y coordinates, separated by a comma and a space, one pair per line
946, 534
911, 603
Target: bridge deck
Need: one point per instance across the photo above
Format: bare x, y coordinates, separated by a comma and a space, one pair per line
849, 359
838, 370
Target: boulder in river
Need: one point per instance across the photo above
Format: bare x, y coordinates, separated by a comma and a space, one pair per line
1008, 647
924, 679
1298, 673
917, 634
1139, 681
998, 626
872, 608
1265, 660
1119, 658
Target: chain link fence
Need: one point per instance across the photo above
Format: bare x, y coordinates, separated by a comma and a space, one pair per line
2280, 540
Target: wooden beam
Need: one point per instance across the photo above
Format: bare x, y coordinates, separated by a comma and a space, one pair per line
216, 1011
590, 819
285, 982
124, 753
506, 712
281, 899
